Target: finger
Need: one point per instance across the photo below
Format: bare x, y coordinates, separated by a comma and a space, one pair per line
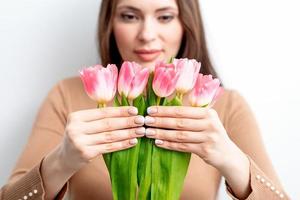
109, 124
177, 111
175, 146
177, 123
176, 136
115, 146
100, 113
115, 136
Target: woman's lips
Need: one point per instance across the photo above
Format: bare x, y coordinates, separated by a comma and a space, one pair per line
147, 55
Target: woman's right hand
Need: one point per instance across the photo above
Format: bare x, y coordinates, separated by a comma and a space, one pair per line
90, 133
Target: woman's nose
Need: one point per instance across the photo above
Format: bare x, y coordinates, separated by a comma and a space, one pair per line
148, 31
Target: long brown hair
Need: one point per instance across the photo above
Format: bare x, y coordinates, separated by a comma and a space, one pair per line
193, 44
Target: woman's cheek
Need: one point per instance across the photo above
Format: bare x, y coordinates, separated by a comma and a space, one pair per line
124, 39
173, 38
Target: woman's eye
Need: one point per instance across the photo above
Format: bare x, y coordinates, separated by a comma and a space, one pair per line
165, 18
129, 17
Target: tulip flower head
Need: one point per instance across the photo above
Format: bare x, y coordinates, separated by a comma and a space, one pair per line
100, 82
132, 79
206, 91
188, 72
165, 79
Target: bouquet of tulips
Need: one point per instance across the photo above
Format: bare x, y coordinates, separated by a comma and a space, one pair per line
146, 171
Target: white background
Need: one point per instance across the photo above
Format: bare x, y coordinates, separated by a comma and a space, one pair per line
254, 45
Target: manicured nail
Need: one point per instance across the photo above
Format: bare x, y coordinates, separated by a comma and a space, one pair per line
140, 131
159, 142
139, 120
133, 111
149, 120
133, 141
151, 110
150, 132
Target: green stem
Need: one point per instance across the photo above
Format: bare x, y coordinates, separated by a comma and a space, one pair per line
179, 96
101, 105
158, 101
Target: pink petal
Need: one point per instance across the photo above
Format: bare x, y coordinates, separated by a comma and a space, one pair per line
138, 84
126, 75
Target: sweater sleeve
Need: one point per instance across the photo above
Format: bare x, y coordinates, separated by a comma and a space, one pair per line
25, 181
244, 132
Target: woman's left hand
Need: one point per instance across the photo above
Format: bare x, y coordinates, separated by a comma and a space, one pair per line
196, 130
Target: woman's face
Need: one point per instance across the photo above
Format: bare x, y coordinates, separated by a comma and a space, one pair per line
147, 30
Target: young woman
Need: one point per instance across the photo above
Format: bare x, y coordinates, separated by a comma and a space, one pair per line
63, 154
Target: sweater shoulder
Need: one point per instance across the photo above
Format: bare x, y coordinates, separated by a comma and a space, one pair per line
74, 94
73, 82
228, 103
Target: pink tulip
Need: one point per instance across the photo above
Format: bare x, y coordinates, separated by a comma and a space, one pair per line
165, 79
206, 91
188, 72
132, 79
100, 83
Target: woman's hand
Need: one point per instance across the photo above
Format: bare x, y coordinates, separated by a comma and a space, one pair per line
200, 131
90, 133
196, 130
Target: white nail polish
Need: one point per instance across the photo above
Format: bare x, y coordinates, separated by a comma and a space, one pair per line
133, 141
149, 120
159, 142
150, 132
133, 111
151, 110
139, 120
140, 131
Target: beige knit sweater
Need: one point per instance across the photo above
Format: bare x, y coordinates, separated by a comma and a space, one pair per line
92, 181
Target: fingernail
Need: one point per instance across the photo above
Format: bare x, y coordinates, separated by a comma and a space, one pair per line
140, 131
133, 141
158, 142
139, 120
133, 111
151, 110
150, 132
149, 120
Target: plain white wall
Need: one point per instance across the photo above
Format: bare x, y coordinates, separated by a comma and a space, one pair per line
254, 46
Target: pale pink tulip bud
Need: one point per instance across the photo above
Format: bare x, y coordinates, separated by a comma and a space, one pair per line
100, 82
132, 79
165, 79
206, 91
188, 72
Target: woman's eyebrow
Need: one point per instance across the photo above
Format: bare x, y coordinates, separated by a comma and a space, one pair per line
128, 7
166, 9
137, 9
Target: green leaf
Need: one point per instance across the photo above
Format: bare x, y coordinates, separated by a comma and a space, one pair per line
145, 168
116, 102
171, 60
123, 173
169, 168
205, 105
151, 96
124, 101
144, 158
174, 102
122, 167
140, 103
145, 154
165, 102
